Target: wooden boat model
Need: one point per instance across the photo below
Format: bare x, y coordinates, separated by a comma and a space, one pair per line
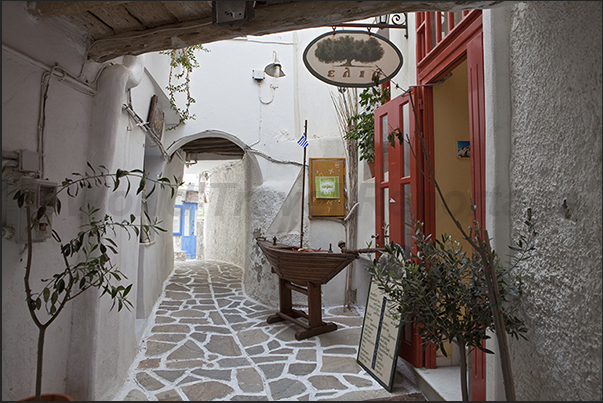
305, 272
315, 267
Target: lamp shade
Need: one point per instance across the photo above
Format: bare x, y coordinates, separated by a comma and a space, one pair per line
274, 70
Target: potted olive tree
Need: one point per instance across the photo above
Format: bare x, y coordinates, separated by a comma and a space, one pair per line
444, 290
87, 257
464, 285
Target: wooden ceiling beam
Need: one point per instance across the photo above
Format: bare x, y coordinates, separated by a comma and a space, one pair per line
44, 9
270, 17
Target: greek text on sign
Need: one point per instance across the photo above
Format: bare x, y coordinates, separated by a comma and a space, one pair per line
352, 58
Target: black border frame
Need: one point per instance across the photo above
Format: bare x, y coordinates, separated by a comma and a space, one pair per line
389, 386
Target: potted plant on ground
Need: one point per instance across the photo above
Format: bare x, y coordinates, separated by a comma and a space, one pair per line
87, 256
445, 291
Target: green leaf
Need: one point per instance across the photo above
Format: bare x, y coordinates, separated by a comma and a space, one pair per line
127, 290
21, 200
66, 250
151, 192
56, 236
141, 185
46, 294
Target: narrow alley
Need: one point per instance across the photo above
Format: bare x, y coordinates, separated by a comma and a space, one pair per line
206, 340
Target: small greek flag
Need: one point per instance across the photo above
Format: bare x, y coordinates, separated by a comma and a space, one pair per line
303, 141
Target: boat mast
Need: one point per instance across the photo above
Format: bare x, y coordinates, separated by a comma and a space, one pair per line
301, 232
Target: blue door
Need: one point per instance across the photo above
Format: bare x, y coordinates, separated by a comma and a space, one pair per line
186, 224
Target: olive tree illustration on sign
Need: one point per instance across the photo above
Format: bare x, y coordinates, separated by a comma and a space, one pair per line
347, 49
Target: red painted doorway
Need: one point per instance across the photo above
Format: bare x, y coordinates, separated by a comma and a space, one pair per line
445, 41
400, 195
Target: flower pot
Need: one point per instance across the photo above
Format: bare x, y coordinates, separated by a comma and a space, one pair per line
371, 166
49, 397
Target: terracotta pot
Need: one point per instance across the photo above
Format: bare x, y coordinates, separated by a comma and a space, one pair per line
50, 397
371, 168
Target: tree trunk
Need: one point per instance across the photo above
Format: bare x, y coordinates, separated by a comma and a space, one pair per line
464, 383
41, 334
499, 321
352, 221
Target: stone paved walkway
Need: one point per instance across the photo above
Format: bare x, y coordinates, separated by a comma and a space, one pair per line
208, 341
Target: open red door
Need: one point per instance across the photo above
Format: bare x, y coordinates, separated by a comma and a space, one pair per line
399, 195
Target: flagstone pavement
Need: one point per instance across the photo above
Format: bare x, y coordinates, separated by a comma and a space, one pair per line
206, 340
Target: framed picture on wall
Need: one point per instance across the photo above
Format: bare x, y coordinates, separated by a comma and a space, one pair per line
462, 149
156, 117
327, 184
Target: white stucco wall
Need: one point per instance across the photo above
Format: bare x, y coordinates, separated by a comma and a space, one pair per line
228, 214
21, 79
555, 169
88, 347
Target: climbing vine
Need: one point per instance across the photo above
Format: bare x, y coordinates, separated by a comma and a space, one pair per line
182, 63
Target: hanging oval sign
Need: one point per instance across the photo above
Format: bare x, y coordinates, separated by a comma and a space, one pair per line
352, 58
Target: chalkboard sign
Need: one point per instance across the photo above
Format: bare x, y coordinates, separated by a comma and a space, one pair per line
380, 338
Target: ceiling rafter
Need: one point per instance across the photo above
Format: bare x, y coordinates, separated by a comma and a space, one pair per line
148, 26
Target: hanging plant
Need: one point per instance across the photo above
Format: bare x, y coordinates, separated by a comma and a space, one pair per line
182, 63
361, 126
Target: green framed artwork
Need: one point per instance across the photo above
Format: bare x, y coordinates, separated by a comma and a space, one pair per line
327, 187
327, 181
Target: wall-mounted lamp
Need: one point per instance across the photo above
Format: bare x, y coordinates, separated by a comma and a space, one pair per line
274, 69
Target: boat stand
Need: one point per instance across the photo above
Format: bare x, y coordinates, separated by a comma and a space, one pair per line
315, 324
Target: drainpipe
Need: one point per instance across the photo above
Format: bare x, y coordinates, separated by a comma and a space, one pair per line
108, 144
108, 122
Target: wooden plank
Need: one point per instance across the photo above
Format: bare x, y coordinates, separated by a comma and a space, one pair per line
90, 25
118, 18
187, 10
151, 13
270, 17
44, 9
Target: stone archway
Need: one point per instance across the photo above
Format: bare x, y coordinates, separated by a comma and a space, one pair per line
232, 175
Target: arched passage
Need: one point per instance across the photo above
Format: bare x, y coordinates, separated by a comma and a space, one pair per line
219, 177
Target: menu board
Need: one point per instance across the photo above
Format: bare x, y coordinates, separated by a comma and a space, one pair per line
380, 338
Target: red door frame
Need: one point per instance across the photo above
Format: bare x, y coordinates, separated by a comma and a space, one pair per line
421, 201
462, 43
477, 133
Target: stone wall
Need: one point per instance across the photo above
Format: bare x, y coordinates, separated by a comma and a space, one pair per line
556, 171
227, 215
